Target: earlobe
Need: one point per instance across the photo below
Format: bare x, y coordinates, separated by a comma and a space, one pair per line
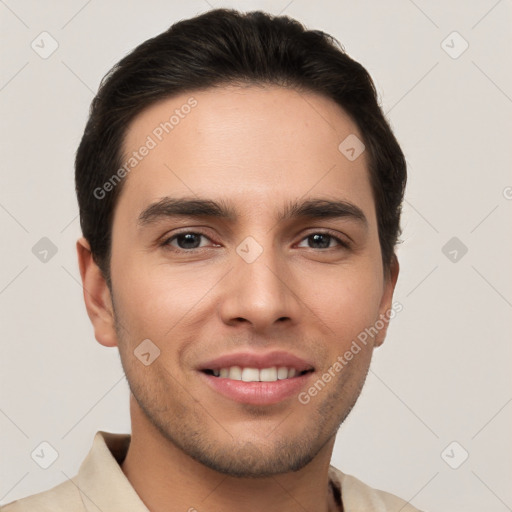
98, 300
385, 309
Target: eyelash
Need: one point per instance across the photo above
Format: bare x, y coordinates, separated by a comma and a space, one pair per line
166, 242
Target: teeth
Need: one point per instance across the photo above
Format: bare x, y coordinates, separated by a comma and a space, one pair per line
235, 373
268, 374
250, 375
256, 375
282, 372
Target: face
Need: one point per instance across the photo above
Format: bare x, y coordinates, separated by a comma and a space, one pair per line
283, 271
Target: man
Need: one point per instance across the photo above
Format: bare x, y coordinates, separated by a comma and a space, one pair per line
240, 195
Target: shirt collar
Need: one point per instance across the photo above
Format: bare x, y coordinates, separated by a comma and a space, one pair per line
102, 484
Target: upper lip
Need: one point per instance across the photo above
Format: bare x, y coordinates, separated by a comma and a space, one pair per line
257, 360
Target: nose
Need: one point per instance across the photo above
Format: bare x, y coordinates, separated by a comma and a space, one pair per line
260, 292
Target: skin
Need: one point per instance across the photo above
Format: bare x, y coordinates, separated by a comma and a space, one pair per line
256, 148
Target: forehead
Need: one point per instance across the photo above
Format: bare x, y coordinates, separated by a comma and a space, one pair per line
248, 143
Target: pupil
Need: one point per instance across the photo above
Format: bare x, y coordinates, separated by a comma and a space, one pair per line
318, 237
188, 239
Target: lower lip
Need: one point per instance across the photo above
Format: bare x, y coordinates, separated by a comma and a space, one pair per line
257, 393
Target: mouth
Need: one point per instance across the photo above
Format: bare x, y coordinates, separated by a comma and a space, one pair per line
256, 378
247, 374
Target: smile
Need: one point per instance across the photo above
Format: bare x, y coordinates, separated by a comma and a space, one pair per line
271, 374
248, 385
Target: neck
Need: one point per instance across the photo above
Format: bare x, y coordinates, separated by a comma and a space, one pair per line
167, 479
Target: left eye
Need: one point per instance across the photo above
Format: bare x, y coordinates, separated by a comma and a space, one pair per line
322, 240
188, 241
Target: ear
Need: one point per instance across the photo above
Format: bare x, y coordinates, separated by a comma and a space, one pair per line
385, 308
98, 300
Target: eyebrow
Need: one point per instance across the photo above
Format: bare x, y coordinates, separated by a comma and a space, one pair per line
316, 208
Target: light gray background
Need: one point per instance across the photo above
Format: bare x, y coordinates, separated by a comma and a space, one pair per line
443, 374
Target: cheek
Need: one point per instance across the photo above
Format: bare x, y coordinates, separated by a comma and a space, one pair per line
346, 301
154, 299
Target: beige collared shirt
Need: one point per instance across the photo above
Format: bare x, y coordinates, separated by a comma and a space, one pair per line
101, 486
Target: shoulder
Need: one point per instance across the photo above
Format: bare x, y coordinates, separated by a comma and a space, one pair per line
358, 496
64, 497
